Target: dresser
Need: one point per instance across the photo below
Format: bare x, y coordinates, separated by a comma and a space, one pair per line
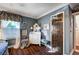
35, 38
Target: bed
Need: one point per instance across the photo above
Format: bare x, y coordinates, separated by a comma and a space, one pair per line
3, 47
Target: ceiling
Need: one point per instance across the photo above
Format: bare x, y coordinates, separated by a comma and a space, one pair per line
33, 10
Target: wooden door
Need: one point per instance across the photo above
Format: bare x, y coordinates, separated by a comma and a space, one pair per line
57, 32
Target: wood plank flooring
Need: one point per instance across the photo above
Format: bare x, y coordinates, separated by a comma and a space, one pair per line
32, 50
76, 53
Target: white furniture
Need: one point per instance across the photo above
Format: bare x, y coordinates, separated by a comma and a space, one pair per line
35, 38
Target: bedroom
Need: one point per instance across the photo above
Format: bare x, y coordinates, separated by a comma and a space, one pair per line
35, 28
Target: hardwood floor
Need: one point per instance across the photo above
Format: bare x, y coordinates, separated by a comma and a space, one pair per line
76, 53
32, 50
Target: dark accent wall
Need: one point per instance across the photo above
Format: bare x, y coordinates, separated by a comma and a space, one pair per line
26, 23
46, 19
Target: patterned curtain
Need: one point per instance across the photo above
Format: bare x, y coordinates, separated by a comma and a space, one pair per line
9, 16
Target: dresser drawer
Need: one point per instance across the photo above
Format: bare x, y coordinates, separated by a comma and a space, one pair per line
35, 37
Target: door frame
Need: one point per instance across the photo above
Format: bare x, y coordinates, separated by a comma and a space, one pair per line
50, 24
74, 40
74, 34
